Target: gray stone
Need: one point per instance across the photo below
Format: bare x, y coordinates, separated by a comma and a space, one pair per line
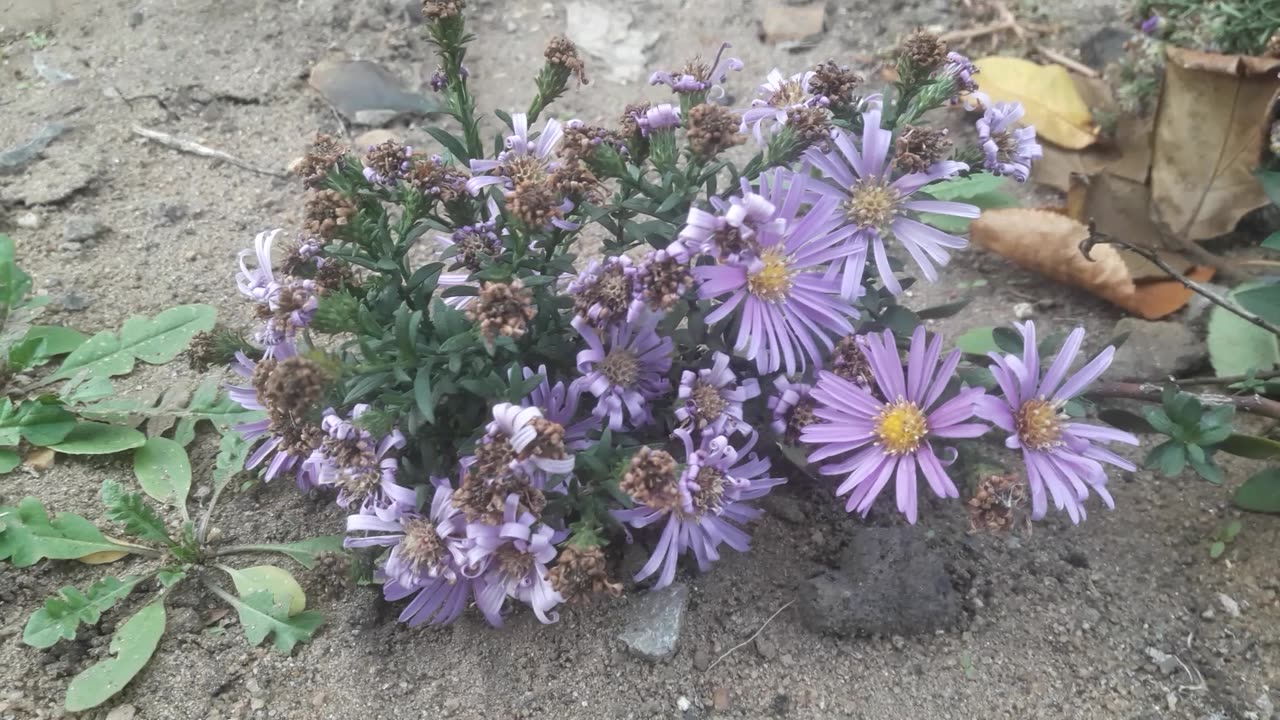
74, 302
366, 92
1165, 663
785, 22
28, 220
1104, 47
170, 213
81, 228
766, 648
1229, 604
1156, 350
889, 582
656, 618
122, 712
611, 34
15, 158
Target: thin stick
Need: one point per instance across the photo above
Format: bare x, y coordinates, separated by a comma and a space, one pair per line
1148, 392
1206, 380
193, 148
753, 635
1097, 238
1066, 62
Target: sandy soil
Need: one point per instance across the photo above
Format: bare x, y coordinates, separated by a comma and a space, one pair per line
1056, 625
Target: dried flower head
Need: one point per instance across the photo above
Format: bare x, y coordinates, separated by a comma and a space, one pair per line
998, 503
918, 148
325, 153
699, 76
536, 204
326, 212
387, 162
581, 574
925, 51
436, 179
487, 484
651, 479
503, 309
290, 388
811, 125
836, 83
712, 128
581, 141
629, 123
561, 52
603, 292
661, 280
435, 10
849, 361
215, 348
576, 181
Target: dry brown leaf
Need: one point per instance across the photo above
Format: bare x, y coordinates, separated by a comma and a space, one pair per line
1122, 209
1125, 153
103, 557
1052, 102
39, 459
1208, 139
1049, 243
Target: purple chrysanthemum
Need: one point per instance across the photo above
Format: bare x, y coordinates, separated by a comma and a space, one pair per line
961, 71
711, 398
276, 455
524, 162
510, 560
394, 159
779, 289
1065, 457
559, 404
288, 305
1008, 150
536, 442
351, 460
625, 369
876, 441
603, 293
427, 552
703, 505
877, 206
729, 233
657, 118
697, 76
778, 94
787, 399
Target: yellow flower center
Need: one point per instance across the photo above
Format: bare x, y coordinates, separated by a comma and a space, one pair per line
773, 281
1038, 425
900, 427
621, 367
872, 204
791, 92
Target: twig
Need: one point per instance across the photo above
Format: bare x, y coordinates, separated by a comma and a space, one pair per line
1068, 63
1206, 380
1148, 392
1097, 238
193, 148
1008, 21
754, 635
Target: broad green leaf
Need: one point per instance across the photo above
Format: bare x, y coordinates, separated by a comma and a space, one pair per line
260, 616
164, 471
1262, 301
978, 341
91, 438
957, 225
85, 389
285, 590
9, 460
27, 535
233, 451
1169, 458
1008, 339
64, 612
1237, 346
152, 340
966, 188
1260, 493
1272, 242
1207, 469
130, 510
170, 577
133, 644
25, 353
306, 552
36, 422
1125, 420
1251, 446
58, 340
1160, 422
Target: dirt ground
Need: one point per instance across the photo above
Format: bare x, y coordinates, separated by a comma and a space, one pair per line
1056, 625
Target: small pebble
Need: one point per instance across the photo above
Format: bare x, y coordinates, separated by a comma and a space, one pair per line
683, 703
28, 220
1228, 604
1024, 311
720, 699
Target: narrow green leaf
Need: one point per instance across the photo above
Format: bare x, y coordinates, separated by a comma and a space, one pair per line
130, 510
450, 143
260, 616
133, 644
164, 471
1251, 446
27, 535
14, 283
91, 438
306, 552
1260, 493
1126, 420
63, 613
422, 394
946, 310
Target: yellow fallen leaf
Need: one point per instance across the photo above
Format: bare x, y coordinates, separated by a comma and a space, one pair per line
1048, 94
103, 557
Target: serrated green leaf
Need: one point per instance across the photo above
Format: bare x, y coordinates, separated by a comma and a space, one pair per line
133, 644
9, 459
36, 422
306, 552
58, 340
1251, 446
285, 590
1260, 493
1237, 346
28, 535
152, 340
91, 438
63, 613
233, 451
132, 511
164, 471
260, 617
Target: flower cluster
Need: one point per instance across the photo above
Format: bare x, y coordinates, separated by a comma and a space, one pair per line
498, 416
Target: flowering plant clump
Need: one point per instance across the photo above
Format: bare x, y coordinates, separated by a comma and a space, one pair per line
497, 414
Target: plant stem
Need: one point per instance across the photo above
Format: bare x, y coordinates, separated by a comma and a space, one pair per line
1150, 392
1206, 380
1231, 306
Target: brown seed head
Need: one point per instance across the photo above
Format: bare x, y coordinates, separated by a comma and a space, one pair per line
581, 574
503, 309
325, 152
606, 300
997, 503
663, 281
651, 479
712, 129
925, 51
435, 10
850, 362
438, 180
563, 53
811, 125
326, 212
290, 388
835, 82
536, 204
918, 148
629, 126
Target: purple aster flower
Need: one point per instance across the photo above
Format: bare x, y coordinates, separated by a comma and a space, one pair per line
1064, 456
284, 449
703, 506
657, 118
427, 552
1009, 150
785, 304
779, 94
537, 443
961, 71
729, 233
1151, 26
510, 560
875, 441
790, 408
603, 293
697, 76
711, 398
288, 304
524, 163
625, 369
559, 404
876, 206
386, 164
351, 460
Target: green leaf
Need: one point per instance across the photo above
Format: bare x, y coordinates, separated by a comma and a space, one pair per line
27, 535
129, 509
67, 610
1232, 529
1260, 493
900, 320
966, 188
1273, 241
306, 552
170, 577
14, 283
24, 354
285, 590
133, 644
58, 340
1206, 468
1169, 458
984, 201
1216, 549
152, 340
1262, 301
1251, 446
9, 459
233, 450
1270, 181
91, 438
450, 143
946, 310
422, 394
1126, 420
978, 341
260, 616
36, 422
1008, 339
164, 471
1237, 346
